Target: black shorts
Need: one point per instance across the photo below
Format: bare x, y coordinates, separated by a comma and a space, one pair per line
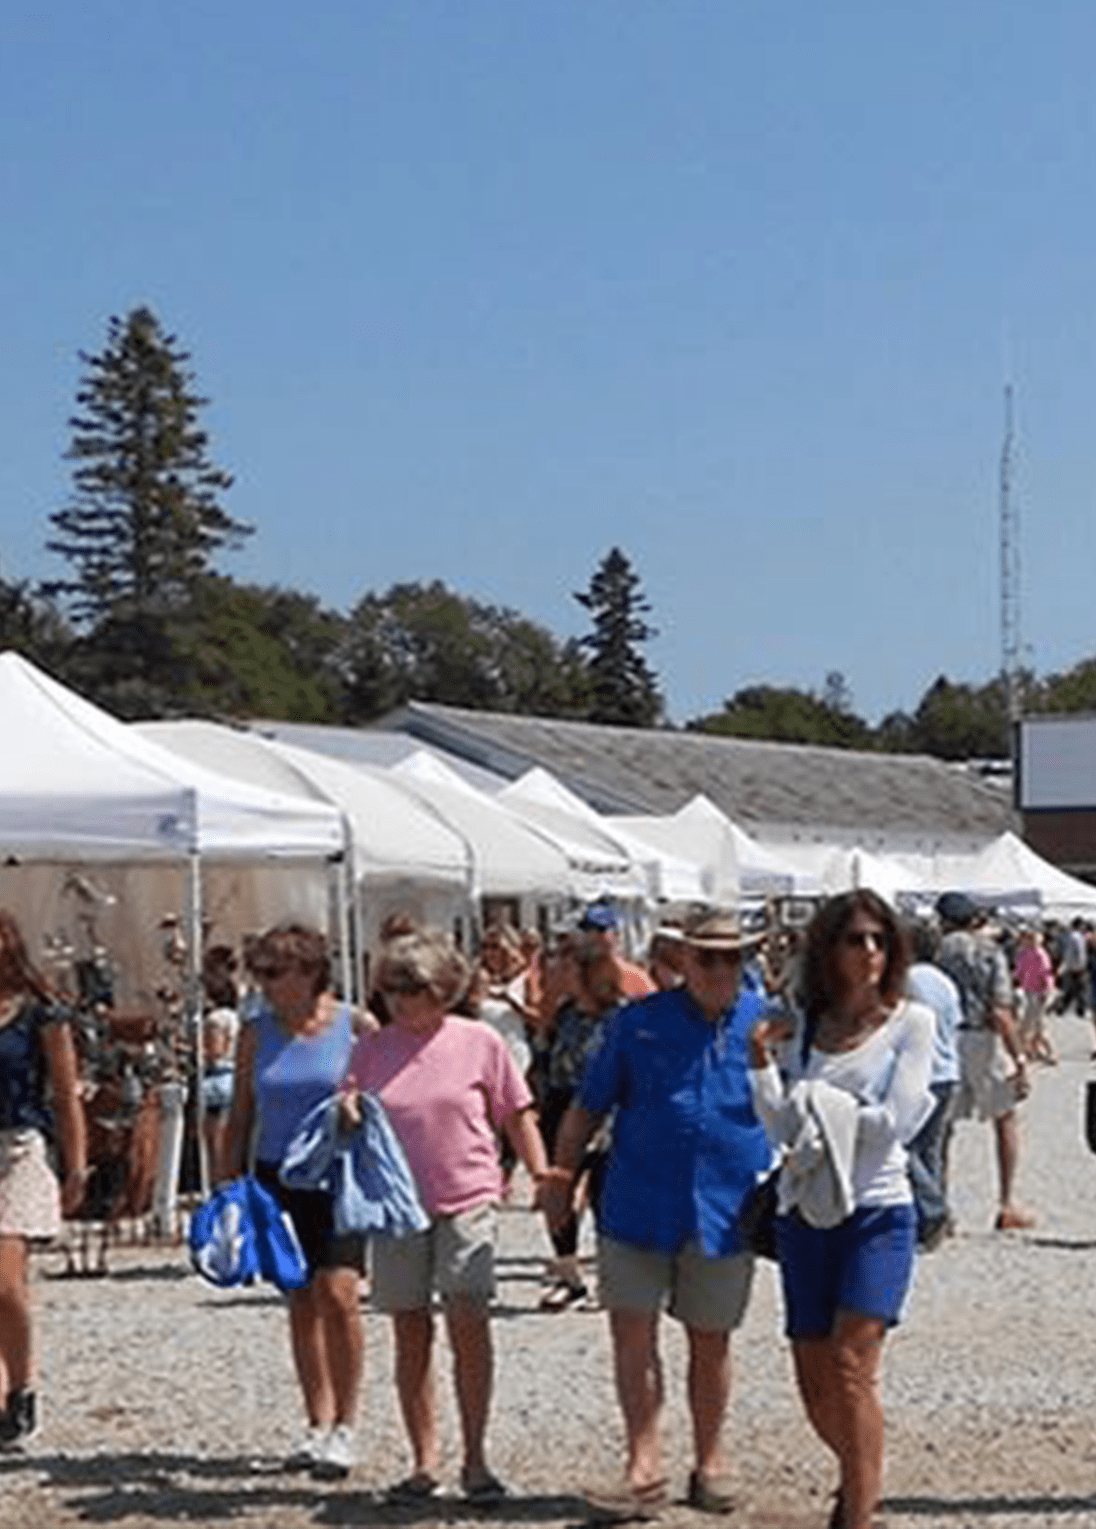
310, 1211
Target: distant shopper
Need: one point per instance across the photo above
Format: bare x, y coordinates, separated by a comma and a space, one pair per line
1034, 974
992, 1064
38, 1094
927, 984
600, 923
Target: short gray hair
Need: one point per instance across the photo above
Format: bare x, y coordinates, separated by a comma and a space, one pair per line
424, 960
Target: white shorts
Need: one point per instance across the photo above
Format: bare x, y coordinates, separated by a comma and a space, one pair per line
986, 1090
30, 1200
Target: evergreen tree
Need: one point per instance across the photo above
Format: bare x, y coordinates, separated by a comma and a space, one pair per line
144, 521
624, 692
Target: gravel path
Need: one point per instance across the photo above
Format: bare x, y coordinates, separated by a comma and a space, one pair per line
169, 1402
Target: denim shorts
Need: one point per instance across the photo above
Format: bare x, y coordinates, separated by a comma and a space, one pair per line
864, 1265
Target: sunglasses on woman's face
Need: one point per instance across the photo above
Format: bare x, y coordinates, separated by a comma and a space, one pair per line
405, 987
270, 971
865, 939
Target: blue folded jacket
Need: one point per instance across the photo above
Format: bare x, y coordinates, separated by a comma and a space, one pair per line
363, 1168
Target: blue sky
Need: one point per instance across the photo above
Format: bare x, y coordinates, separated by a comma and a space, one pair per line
479, 290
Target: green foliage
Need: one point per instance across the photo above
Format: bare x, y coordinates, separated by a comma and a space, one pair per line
144, 520
623, 690
788, 715
423, 642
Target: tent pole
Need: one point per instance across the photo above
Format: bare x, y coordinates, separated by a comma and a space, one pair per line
193, 1002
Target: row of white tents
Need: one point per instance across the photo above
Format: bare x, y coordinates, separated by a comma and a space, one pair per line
220, 813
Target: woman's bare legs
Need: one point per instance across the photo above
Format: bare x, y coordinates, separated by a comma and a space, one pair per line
839, 1383
473, 1367
414, 1335
328, 1345
15, 1322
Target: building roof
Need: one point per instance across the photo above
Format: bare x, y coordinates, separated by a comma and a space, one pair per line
778, 788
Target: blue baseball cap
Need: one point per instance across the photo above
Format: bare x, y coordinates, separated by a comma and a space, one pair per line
599, 916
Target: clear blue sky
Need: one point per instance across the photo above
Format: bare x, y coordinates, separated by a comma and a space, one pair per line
481, 288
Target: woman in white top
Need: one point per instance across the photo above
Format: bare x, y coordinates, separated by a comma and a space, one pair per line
854, 1091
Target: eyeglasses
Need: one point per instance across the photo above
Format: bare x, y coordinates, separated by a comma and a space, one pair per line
709, 959
866, 939
405, 987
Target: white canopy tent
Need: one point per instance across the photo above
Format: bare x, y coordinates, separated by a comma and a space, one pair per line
76, 784
404, 856
510, 859
1009, 872
640, 867
78, 787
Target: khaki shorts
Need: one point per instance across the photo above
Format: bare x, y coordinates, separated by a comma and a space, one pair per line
709, 1294
454, 1256
985, 1087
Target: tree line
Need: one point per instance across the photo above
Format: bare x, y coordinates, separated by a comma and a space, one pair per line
142, 621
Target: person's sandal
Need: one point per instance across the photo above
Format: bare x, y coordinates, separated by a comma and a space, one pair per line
413, 1489
626, 1503
562, 1296
485, 1491
711, 1494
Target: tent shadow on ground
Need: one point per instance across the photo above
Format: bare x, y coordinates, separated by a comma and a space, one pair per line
111, 1488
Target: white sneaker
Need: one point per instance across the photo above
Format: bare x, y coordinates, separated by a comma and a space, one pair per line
310, 1448
338, 1455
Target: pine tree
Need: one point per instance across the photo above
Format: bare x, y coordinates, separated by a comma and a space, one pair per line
144, 520
624, 691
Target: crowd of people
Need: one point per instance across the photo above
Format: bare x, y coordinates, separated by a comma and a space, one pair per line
837, 1058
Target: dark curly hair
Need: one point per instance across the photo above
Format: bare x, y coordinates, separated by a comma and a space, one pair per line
822, 985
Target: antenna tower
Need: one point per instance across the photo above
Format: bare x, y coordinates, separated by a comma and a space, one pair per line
1010, 573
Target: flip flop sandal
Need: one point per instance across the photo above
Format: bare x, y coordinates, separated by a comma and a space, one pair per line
711, 1494
413, 1489
484, 1490
625, 1503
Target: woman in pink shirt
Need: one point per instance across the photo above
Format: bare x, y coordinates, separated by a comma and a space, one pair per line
1035, 978
449, 1086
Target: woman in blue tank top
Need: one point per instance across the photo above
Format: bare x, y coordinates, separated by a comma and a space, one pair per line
292, 1056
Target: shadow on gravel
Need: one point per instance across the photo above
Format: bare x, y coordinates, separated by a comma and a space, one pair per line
1073, 1244
943, 1509
158, 1272
111, 1488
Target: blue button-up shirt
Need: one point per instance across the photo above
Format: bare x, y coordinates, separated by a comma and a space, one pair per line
687, 1144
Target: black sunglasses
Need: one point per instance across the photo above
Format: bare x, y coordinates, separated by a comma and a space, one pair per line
866, 939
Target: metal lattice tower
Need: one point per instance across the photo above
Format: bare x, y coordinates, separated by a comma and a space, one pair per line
1011, 646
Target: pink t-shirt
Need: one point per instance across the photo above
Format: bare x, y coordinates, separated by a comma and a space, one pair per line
1034, 971
446, 1094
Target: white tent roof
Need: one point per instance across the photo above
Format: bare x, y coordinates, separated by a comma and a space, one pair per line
77, 784
395, 836
698, 832
608, 851
511, 858
1008, 867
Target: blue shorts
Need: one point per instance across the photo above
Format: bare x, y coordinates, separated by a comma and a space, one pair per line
863, 1265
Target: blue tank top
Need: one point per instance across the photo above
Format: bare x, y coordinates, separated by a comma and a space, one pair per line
24, 1071
293, 1074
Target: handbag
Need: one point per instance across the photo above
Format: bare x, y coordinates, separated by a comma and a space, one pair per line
757, 1216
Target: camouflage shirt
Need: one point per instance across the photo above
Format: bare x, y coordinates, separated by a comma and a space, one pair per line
980, 972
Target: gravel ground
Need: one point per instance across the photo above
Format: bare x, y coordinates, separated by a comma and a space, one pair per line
168, 1401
